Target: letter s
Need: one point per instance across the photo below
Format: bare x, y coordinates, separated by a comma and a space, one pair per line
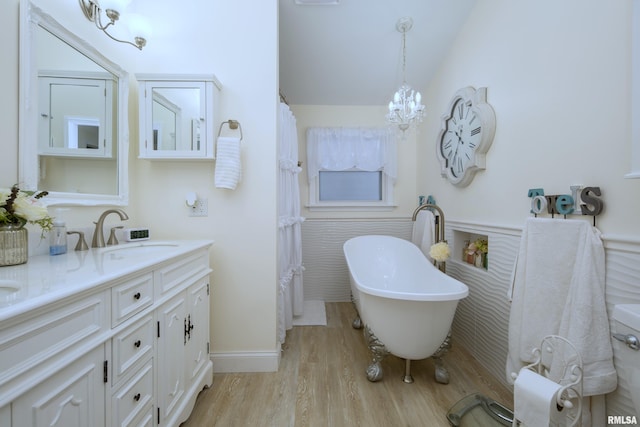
591, 205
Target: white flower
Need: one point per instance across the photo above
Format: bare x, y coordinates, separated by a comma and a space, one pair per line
440, 251
20, 207
30, 209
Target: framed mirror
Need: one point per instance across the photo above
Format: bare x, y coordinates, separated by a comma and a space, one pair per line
73, 137
177, 113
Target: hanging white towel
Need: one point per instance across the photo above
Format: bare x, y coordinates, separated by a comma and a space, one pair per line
559, 289
423, 231
228, 166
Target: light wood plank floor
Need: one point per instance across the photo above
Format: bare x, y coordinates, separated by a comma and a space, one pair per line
322, 382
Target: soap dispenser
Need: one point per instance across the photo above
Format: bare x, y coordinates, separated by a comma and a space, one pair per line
58, 237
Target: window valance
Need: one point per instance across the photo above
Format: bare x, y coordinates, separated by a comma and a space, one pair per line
339, 149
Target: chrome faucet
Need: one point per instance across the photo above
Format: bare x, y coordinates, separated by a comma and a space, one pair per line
98, 233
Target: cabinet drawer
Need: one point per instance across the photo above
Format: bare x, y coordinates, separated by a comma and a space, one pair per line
29, 347
135, 397
182, 270
131, 346
130, 297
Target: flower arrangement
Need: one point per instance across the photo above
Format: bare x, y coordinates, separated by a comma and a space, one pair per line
20, 207
440, 251
481, 246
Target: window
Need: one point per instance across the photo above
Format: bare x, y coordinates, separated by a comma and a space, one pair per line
351, 168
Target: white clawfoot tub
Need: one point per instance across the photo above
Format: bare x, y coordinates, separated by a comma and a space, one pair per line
406, 303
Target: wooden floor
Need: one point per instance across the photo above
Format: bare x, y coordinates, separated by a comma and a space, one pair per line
322, 382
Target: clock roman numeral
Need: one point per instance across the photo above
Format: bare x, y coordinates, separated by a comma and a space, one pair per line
475, 131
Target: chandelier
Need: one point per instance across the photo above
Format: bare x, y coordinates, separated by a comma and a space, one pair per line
406, 108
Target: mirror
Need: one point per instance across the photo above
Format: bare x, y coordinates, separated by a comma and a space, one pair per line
176, 116
73, 121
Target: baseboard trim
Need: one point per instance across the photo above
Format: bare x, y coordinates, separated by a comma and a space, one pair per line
254, 361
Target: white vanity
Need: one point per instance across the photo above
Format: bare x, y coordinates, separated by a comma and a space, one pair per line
115, 336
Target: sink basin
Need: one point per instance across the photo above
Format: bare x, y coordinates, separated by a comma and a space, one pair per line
9, 292
138, 249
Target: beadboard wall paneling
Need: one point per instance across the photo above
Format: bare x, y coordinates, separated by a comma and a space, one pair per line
622, 287
481, 322
326, 276
482, 319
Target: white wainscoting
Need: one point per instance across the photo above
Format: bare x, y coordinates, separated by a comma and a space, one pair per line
481, 323
326, 276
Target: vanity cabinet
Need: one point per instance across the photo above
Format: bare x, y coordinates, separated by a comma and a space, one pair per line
177, 116
131, 351
73, 396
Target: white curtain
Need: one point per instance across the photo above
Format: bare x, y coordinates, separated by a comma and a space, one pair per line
337, 149
290, 295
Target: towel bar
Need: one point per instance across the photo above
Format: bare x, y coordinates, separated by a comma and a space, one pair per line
233, 125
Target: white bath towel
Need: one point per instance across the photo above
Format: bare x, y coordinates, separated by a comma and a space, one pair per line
228, 166
559, 289
423, 231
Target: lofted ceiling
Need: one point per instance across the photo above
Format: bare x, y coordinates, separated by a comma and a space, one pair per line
351, 53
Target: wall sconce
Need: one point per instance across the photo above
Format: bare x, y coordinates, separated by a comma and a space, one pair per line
93, 12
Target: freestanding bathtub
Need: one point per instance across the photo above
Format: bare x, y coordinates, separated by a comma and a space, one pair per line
406, 303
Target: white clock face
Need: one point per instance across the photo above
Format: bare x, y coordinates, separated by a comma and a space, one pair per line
461, 138
467, 131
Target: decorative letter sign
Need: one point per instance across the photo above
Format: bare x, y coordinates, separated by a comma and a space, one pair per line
566, 204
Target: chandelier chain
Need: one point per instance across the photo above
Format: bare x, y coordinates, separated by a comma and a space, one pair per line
404, 55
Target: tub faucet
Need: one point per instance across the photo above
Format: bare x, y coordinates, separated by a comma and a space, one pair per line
98, 233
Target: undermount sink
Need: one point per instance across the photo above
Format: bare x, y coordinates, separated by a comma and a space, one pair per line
138, 248
9, 292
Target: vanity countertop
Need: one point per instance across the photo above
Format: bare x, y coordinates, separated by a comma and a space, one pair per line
45, 279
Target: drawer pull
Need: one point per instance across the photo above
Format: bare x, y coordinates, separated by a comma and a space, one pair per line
136, 295
136, 397
137, 344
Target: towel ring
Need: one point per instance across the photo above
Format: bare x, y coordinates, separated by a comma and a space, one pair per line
233, 125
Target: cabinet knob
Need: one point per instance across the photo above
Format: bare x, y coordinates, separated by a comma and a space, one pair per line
136, 295
136, 397
137, 344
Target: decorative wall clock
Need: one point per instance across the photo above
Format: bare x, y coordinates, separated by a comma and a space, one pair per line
468, 128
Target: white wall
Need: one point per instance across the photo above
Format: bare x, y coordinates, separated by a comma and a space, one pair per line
558, 77
197, 37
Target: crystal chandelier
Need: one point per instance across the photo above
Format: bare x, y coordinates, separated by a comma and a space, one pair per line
406, 108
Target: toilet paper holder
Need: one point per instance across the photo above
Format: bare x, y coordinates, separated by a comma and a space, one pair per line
558, 360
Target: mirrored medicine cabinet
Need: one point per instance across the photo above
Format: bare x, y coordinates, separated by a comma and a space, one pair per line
73, 130
177, 116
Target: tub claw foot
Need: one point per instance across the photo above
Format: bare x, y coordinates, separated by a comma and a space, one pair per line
379, 351
442, 374
357, 323
374, 372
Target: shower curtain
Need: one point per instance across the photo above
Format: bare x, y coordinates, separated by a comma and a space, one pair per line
290, 295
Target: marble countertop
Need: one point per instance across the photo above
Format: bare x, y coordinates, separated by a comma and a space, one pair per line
45, 279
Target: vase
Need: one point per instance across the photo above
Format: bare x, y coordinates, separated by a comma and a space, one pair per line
478, 260
14, 244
